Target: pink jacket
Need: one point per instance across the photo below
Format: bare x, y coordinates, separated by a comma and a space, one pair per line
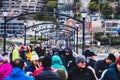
5, 70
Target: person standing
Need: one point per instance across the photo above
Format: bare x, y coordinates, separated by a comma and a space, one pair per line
47, 74
82, 71
112, 73
68, 59
90, 58
34, 65
18, 72
101, 65
5, 68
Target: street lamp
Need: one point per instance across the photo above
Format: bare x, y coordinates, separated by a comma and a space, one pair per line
83, 14
25, 24
5, 14
77, 38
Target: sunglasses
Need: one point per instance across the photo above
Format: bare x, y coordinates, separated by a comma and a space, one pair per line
82, 62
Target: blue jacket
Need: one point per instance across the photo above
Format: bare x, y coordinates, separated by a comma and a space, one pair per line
111, 73
18, 74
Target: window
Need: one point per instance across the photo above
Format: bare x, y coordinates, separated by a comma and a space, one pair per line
114, 24
108, 24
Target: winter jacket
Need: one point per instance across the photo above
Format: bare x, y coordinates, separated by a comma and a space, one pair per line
68, 61
91, 62
15, 54
5, 70
111, 73
18, 74
47, 74
31, 68
100, 66
29, 55
57, 63
82, 74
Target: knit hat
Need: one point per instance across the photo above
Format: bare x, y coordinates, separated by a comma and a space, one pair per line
22, 47
34, 56
80, 58
118, 61
86, 52
111, 57
90, 54
47, 61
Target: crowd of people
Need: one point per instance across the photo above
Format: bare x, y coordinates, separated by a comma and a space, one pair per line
56, 63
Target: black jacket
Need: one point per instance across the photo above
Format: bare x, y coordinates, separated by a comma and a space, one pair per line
100, 66
47, 74
81, 74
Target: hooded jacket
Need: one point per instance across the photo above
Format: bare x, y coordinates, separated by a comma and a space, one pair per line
69, 60
18, 74
57, 63
15, 54
111, 73
87, 73
5, 70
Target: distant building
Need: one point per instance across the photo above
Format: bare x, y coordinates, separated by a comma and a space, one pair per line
111, 27
15, 7
63, 8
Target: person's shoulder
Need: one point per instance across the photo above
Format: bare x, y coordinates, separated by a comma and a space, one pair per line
100, 61
29, 77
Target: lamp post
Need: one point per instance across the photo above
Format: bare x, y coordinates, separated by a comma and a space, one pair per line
74, 40
35, 38
5, 14
25, 24
77, 38
83, 13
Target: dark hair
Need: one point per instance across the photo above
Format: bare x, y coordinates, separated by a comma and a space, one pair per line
46, 62
18, 63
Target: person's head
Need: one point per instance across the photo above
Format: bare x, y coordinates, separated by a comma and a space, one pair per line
87, 51
5, 56
111, 58
40, 60
47, 61
90, 55
62, 73
118, 63
81, 61
68, 51
34, 58
19, 63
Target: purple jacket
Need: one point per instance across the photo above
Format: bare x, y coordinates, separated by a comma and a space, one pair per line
5, 70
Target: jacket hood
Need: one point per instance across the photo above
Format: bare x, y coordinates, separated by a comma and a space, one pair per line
67, 49
16, 72
57, 63
56, 60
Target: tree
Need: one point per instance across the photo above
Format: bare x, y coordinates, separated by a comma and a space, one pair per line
117, 14
94, 1
93, 6
50, 6
106, 10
